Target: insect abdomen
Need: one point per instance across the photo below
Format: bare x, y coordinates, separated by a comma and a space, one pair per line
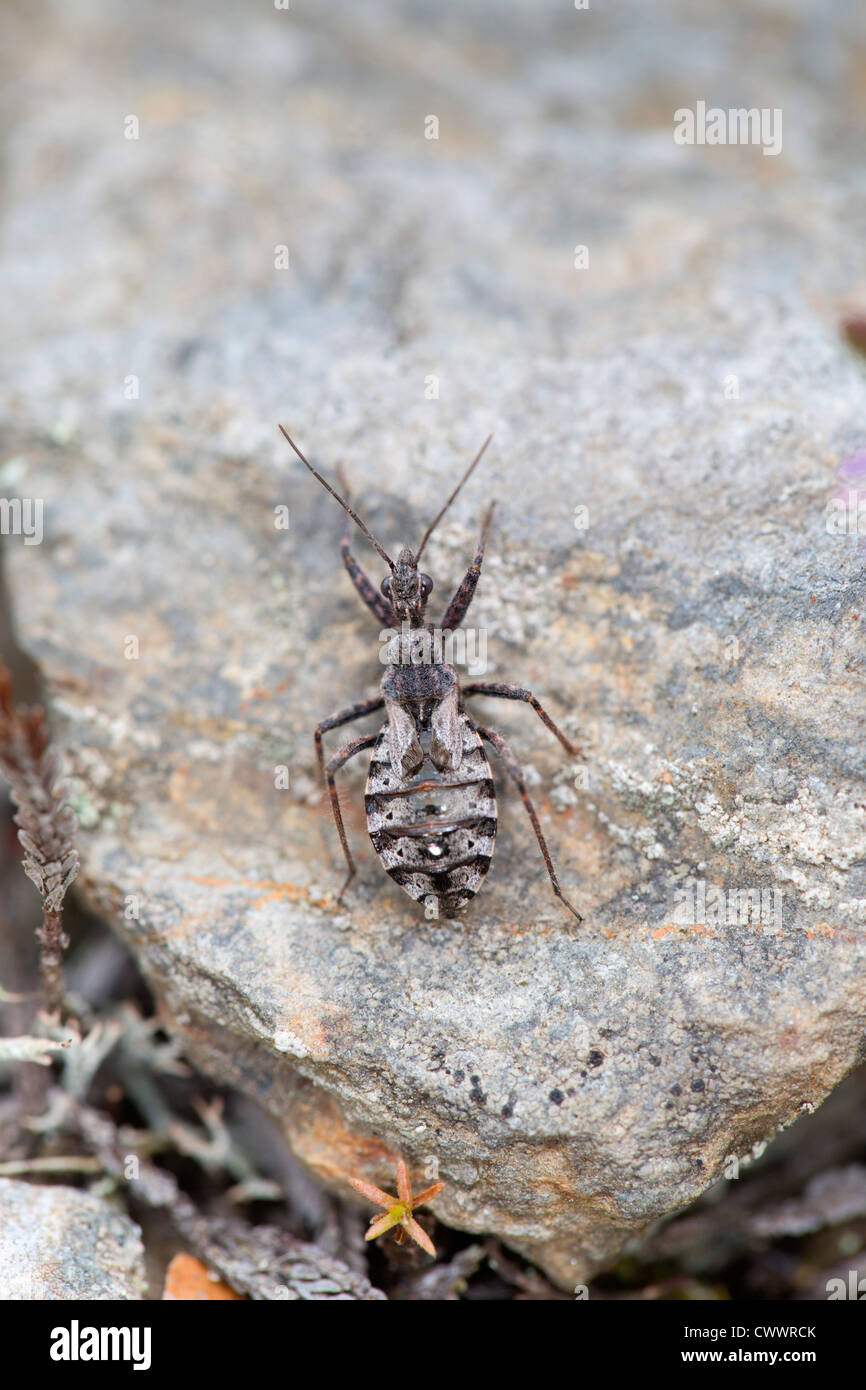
434, 833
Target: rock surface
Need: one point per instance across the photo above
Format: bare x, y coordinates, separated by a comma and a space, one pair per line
697, 625
62, 1243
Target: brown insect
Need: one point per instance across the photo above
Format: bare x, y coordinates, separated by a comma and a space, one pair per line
430, 797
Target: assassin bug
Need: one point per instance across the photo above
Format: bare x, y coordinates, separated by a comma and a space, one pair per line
430, 798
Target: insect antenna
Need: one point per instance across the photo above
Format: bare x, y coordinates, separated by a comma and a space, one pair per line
346, 508
435, 522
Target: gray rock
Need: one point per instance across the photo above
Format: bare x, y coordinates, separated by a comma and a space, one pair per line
63, 1243
698, 625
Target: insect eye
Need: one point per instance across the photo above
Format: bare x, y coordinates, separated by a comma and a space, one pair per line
386, 586
426, 584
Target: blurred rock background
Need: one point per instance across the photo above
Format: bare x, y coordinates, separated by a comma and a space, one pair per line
216, 216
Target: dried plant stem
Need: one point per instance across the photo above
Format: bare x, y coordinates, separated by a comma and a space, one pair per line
46, 825
60, 1163
262, 1262
52, 940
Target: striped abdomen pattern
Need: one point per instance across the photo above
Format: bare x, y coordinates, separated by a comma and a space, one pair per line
434, 832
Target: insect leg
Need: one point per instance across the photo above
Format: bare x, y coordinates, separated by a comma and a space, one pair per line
375, 601
356, 746
514, 692
344, 716
512, 767
459, 604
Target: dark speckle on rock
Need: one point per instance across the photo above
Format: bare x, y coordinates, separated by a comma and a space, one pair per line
698, 1084
556, 1096
676, 1089
459, 1076
595, 1058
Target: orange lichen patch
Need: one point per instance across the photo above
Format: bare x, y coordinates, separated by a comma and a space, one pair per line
664, 931
280, 892
336, 1153
189, 1280
176, 783
303, 1028
270, 890
66, 682
824, 929
258, 692
589, 567
696, 928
